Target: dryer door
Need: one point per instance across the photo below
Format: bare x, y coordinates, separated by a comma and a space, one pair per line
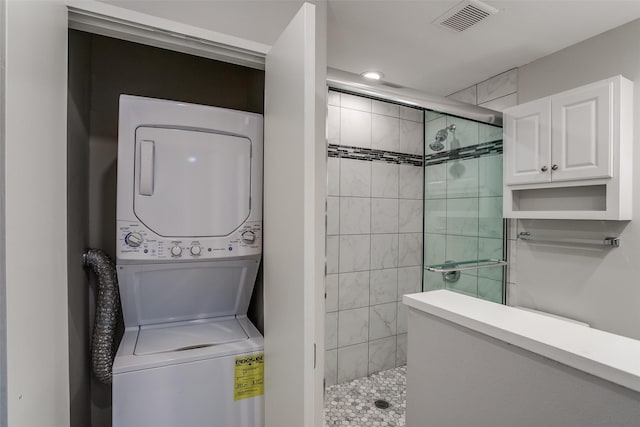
191, 183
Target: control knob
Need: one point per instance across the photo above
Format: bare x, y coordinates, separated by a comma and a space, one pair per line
133, 239
248, 237
195, 250
176, 251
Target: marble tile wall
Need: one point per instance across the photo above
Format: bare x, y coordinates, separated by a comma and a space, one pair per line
463, 205
496, 93
374, 229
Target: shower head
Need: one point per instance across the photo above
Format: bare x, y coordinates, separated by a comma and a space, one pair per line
441, 136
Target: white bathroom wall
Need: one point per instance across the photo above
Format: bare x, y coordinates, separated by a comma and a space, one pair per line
3, 311
374, 229
35, 245
598, 286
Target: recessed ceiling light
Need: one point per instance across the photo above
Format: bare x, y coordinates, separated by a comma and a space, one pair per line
372, 75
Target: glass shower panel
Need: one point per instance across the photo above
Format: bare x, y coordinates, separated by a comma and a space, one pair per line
463, 225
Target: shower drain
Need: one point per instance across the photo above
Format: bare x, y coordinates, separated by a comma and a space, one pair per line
382, 404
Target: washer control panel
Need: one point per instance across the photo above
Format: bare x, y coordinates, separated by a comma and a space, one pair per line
136, 242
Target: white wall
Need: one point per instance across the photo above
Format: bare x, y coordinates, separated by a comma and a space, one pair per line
598, 286
36, 216
3, 315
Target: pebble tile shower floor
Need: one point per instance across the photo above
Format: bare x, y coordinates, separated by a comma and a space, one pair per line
352, 404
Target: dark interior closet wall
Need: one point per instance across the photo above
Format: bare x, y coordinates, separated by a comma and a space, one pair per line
78, 108
100, 70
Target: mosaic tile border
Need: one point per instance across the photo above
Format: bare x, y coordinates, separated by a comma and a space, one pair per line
369, 154
464, 153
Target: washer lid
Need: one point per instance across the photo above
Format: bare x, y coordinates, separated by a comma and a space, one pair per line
188, 335
190, 183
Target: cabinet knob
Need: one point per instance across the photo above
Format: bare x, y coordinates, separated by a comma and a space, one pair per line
554, 167
543, 169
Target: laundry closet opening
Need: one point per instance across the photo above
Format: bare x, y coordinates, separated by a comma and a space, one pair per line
100, 70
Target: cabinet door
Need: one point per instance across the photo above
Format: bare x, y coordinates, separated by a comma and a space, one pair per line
527, 139
582, 133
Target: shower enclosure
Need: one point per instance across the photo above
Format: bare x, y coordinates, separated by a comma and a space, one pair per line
464, 245
414, 202
408, 190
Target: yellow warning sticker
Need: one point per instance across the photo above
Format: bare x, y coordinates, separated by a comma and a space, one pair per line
248, 376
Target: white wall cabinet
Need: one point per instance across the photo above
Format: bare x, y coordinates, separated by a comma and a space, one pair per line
568, 156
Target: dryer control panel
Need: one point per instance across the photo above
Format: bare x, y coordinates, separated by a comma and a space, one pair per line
137, 242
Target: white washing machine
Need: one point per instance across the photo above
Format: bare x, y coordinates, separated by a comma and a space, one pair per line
189, 241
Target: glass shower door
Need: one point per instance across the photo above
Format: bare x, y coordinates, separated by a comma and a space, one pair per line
463, 226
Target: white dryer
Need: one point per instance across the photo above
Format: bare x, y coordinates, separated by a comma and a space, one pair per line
189, 240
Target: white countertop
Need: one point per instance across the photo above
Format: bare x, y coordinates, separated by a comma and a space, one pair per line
603, 354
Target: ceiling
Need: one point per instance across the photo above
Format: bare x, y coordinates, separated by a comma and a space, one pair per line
398, 38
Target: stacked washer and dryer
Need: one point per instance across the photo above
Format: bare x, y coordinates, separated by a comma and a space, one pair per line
189, 241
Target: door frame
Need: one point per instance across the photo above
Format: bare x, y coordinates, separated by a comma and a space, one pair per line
104, 19
112, 21
108, 20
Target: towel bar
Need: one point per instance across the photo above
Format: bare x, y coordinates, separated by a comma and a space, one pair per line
460, 266
607, 241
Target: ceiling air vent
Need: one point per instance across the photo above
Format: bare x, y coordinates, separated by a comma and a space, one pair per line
465, 15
